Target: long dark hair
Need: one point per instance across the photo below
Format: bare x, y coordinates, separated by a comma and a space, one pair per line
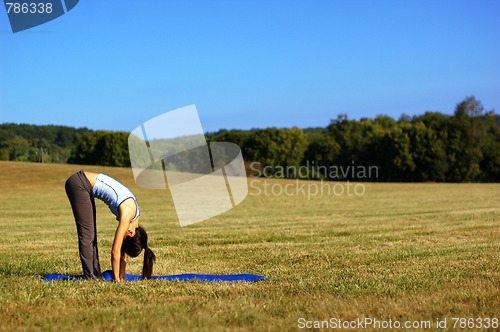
133, 246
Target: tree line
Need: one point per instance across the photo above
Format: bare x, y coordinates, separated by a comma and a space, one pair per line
462, 147
24, 142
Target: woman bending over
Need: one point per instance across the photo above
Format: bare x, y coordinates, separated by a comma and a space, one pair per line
130, 238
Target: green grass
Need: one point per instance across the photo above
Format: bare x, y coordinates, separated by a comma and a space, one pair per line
399, 252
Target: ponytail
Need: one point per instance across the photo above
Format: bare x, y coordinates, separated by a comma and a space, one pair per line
147, 267
133, 246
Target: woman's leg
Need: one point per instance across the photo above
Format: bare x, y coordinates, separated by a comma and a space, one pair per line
79, 192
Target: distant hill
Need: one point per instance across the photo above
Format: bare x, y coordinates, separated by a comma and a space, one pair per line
25, 142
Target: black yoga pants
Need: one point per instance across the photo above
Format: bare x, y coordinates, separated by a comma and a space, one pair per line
79, 191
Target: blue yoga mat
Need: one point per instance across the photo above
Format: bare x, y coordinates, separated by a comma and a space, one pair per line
108, 275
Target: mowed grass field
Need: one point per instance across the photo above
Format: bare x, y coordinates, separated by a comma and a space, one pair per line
400, 252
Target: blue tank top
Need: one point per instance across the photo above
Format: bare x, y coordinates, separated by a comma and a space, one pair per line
113, 193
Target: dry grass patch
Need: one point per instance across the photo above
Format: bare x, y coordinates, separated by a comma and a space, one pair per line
400, 252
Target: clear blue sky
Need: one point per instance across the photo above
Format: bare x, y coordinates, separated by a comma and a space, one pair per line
113, 64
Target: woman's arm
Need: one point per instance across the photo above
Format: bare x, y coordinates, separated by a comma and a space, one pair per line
123, 265
116, 250
125, 228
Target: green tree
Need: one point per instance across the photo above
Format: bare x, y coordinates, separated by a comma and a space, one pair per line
238, 137
53, 142
276, 147
357, 140
490, 165
394, 154
17, 147
102, 148
385, 121
428, 153
322, 151
467, 140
